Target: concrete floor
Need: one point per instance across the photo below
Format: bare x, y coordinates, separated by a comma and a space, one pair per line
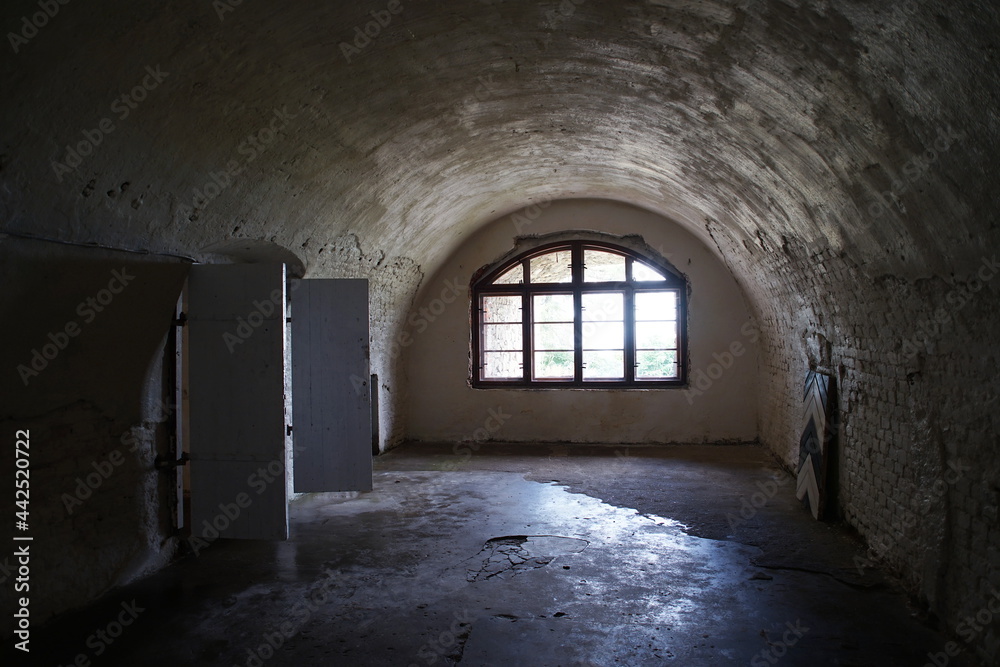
526, 555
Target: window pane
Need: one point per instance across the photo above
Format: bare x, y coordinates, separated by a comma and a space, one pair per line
655, 365
502, 337
553, 336
601, 266
655, 306
655, 335
603, 307
586, 325
554, 267
604, 336
603, 365
513, 276
498, 309
553, 308
554, 365
642, 271
502, 366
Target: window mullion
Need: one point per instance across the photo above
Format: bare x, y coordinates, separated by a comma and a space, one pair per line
629, 321
629, 317
682, 342
479, 338
577, 267
577, 335
577, 312
527, 341
482, 334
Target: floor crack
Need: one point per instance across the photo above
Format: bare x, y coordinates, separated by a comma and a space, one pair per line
516, 554
852, 584
461, 639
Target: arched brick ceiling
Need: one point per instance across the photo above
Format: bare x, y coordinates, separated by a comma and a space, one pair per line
769, 124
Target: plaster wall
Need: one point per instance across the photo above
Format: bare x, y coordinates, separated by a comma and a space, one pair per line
97, 407
719, 405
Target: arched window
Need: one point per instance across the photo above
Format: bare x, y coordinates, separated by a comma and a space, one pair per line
579, 314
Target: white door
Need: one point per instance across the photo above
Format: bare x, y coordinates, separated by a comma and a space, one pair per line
331, 406
237, 374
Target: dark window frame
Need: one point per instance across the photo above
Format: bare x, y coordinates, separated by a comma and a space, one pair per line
483, 286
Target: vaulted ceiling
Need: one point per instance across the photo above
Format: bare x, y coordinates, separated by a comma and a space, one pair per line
764, 125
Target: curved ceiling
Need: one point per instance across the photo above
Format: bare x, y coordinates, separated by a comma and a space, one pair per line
759, 125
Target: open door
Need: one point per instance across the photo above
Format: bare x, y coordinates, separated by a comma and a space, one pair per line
238, 401
331, 409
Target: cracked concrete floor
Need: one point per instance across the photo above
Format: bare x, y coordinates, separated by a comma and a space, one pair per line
526, 555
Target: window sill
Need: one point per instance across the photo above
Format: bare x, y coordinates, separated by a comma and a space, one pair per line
589, 386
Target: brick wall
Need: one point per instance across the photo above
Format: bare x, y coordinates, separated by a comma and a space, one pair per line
915, 360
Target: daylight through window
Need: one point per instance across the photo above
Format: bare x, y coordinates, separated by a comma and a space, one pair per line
581, 314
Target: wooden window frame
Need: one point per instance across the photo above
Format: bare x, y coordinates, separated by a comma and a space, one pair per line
483, 286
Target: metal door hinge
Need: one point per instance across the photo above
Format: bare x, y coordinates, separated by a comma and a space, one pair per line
163, 462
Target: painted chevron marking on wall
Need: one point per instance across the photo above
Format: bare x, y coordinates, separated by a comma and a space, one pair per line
816, 443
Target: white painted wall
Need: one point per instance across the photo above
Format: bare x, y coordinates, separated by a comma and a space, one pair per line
443, 407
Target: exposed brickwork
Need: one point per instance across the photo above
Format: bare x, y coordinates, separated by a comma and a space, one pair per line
916, 367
